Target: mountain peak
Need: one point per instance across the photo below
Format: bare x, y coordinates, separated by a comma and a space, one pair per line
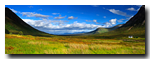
137, 19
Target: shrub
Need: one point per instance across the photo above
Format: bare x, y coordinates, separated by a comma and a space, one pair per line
20, 32
10, 33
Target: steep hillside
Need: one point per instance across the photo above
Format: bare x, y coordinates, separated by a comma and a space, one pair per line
135, 26
15, 25
138, 19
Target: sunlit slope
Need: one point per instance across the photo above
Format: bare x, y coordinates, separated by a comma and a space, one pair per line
15, 25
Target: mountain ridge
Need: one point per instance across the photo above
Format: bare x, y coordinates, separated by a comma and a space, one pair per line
137, 19
14, 25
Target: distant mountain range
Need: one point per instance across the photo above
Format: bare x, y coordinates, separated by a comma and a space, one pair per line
99, 30
15, 25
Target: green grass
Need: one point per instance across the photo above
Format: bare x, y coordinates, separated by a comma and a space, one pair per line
28, 44
103, 30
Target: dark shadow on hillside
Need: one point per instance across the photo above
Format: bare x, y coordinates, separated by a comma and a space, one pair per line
6, 31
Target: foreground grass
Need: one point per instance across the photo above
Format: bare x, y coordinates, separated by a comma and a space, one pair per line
27, 44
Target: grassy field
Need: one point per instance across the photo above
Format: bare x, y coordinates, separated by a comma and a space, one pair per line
28, 44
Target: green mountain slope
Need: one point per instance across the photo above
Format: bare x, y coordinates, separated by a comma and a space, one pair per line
100, 30
134, 27
15, 25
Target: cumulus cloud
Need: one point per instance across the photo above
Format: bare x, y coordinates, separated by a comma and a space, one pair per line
55, 13
107, 24
33, 14
131, 9
71, 17
50, 26
110, 23
113, 21
118, 12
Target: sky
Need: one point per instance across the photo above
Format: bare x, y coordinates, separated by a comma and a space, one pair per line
73, 19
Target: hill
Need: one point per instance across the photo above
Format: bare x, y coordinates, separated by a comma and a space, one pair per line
135, 26
15, 25
103, 30
100, 30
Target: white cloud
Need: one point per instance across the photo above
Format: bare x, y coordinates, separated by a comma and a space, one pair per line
55, 13
113, 21
59, 17
95, 21
33, 14
120, 20
118, 12
50, 26
13, 10
131, 9
71, 17
88, 20
107, 24
110, 23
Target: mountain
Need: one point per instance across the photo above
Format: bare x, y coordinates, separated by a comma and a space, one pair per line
135, 26
103, 30
100, 30
138, 19
15, 25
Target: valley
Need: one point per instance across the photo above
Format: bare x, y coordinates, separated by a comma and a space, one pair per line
21, 38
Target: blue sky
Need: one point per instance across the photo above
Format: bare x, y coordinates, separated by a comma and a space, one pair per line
71, 19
